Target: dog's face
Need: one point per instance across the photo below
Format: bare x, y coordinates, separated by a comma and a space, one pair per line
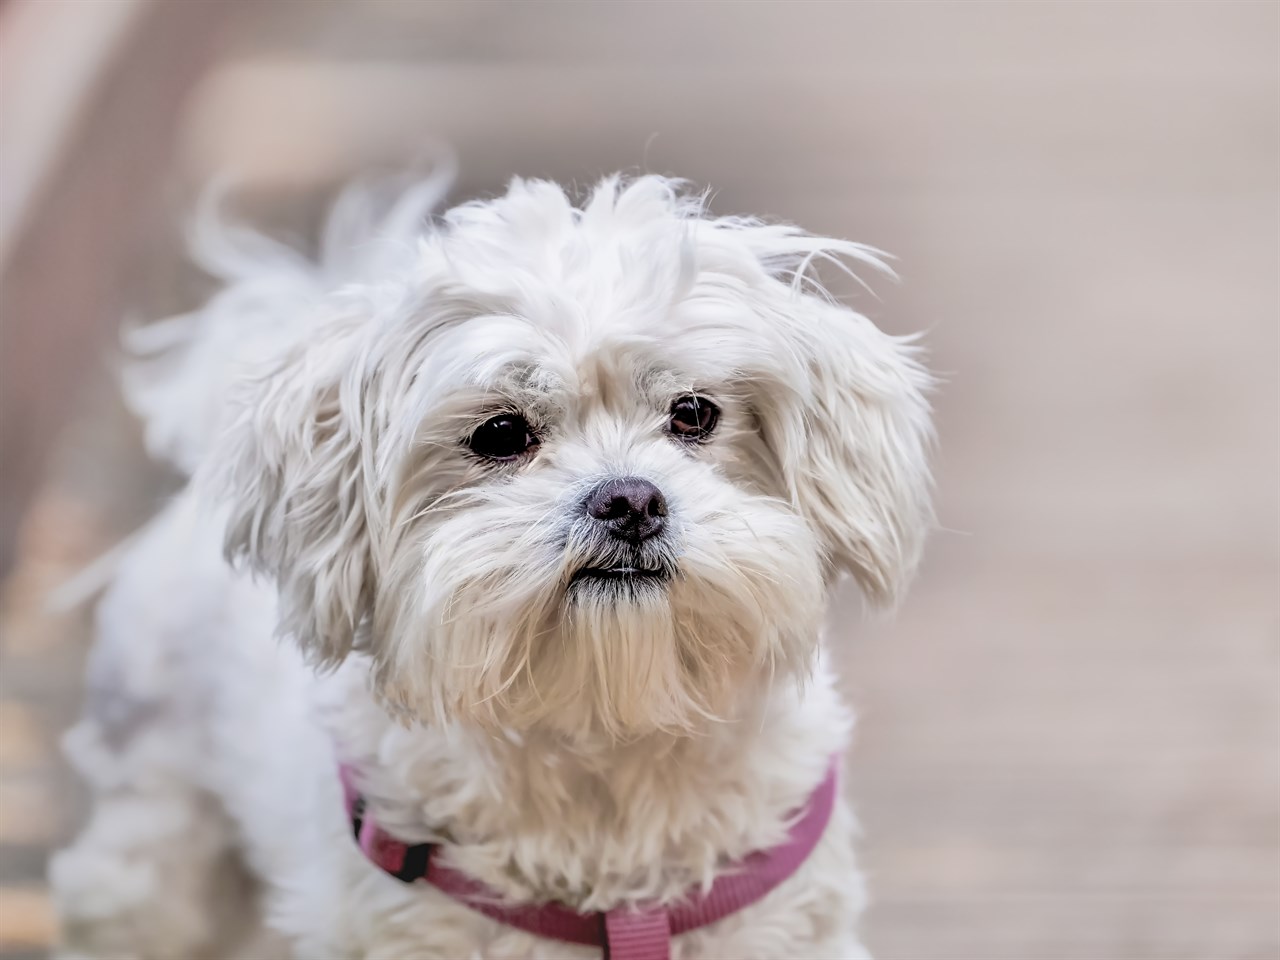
590, 470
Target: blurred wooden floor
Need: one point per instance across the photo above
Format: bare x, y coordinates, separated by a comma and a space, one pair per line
1070, 735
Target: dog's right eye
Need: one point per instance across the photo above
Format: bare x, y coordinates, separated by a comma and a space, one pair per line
503, 437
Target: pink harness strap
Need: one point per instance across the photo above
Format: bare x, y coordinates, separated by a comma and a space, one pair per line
625, 933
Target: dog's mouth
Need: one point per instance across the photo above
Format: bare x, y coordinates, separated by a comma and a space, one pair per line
621, 574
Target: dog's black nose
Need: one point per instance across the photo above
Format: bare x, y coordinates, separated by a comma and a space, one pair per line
632, 509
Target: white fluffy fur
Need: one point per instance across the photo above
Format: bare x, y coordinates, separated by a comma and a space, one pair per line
598, 751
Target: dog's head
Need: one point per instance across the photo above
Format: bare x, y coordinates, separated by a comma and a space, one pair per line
588, 469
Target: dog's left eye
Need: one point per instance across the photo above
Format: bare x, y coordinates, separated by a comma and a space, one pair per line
693, 418
503, 437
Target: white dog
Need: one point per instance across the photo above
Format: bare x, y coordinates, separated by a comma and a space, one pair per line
547, 499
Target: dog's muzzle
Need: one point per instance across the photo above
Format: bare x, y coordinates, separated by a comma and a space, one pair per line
626, 522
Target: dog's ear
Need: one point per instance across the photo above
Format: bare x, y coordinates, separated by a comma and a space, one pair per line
292, 467
855, 449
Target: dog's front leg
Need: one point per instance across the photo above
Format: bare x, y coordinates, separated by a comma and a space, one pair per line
155, 875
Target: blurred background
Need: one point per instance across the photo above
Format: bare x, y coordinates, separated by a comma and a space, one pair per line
1070, 734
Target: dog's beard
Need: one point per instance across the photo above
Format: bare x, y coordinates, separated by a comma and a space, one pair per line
511, 625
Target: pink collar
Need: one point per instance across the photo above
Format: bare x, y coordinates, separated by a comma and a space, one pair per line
634, 932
